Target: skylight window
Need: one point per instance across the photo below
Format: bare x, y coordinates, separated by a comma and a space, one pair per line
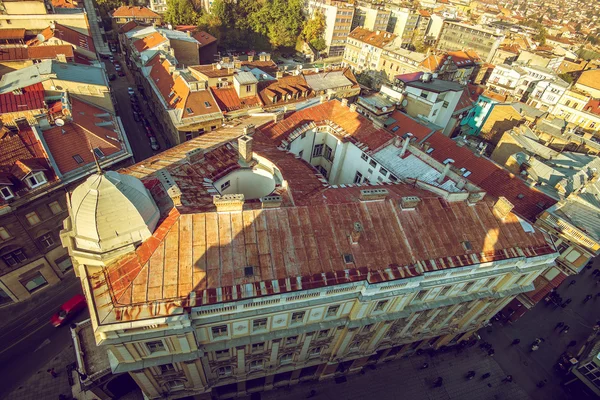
189, 110
430, 150
207, 104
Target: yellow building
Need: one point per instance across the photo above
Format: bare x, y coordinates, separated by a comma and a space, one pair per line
216, 268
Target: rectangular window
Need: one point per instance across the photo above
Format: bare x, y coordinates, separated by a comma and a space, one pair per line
364, 157
188, 136
248, 88
225, 371
4, 233
259, 324
55, 207
47, 240
445, 104
34, 283
444, 291
6, 193
291, 340
206, 104
78, 159
189, 111
155, 346
468, 287
219, 331
14, 257
421, 295
358, 177
220, 354
298, 317
37, 179
318, 150
372, 163
225, 185
424, 95
332, 311
323, 334
33, 218
383, 171
258, 347
301, 153
255, 365
327, 153
166, 368
380, 306
286, 359
98, 152
315, 352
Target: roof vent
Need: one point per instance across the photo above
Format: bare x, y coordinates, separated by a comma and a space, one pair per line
409, 202
248, 271
271, 201
348, 258
229, 202
373, 194
467, 245
355, 234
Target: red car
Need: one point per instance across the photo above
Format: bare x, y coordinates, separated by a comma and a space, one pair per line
68, 310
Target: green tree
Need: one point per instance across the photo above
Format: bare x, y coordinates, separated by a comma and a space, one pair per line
314, 28
319, 44
181, 12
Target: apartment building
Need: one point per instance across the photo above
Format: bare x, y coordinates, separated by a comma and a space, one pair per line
537, 86
395, 60
371, 18
158, 6
49, 140
364, 49
216, 286
579, 108
459, 36
403, 23
124, 14
338, 23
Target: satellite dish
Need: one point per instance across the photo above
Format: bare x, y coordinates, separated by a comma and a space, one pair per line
40, 38
219, 66
384, 109
59, 122
170, 26
404, 103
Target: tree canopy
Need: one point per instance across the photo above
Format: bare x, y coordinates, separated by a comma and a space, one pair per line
181, 12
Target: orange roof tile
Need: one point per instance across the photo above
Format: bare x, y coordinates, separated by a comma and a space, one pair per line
229, 100
77, 135
12, 33
204, 38
135, 12
406, 124
65, 4
270, 67
44, 52
277, 91
372, 38
129, 26
212, 71
149, 42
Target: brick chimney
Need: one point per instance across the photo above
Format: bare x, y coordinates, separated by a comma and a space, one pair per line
502, 207
345, 102
407, 138
229, 202
409, 202
245, 148
169, 185
426, 146
355, 234
271, 201
193, 156
474, 198
373, 194
250, 58
249, 129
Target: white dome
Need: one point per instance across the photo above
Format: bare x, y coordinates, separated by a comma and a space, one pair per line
111, 210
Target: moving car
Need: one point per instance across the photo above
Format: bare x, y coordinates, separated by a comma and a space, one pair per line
68, 310
130, 91
154, 144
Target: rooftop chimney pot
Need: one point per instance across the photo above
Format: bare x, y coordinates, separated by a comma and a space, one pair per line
245, 148
355, 234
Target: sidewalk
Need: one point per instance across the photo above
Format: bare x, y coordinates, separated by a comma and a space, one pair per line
42, 385
403, 379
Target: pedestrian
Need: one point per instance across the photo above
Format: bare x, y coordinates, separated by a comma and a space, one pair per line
491, 352
425, 366
470, 375
312, 393
486, 375
559, 325
572, 282
565, 329
516, 341
567, 301
508, 379
572, 343
587, 298
438, 382
52, 372
595, 272
541, 384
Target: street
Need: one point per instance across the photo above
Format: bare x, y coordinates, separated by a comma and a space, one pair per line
28, 340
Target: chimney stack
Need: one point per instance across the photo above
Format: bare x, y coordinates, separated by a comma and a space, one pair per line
245, 148
169, 186
193, 156
409, 202
398, 141
426, 146
373, 194
502, 207
250, 58
474, 198
352, 107
271, 201
279, 74
407, 138
345, 102
229, 202
446, 170
355, 234
249, 130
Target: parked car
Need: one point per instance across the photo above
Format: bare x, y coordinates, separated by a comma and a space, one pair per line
154, 144
136, 116
68, 310
112, 77
130, 91
121, 73
111, 59
149, 131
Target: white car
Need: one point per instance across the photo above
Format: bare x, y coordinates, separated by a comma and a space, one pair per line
117, 67
130, 91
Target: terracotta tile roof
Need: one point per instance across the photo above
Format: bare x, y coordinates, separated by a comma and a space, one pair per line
495, 96
77, 135
491, 177
590, 78
31, 99
229, 100
12, 34
424, 13
270, 67
204, 38
13, 53
129, 26
65, 4
277, 91
149, 42
356, 128
45, 52
593, 106
433, 62
68, 35
464, 59
465, 102
212, 71
135, 12
475, 91
543, 286
372, 38
406, 124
